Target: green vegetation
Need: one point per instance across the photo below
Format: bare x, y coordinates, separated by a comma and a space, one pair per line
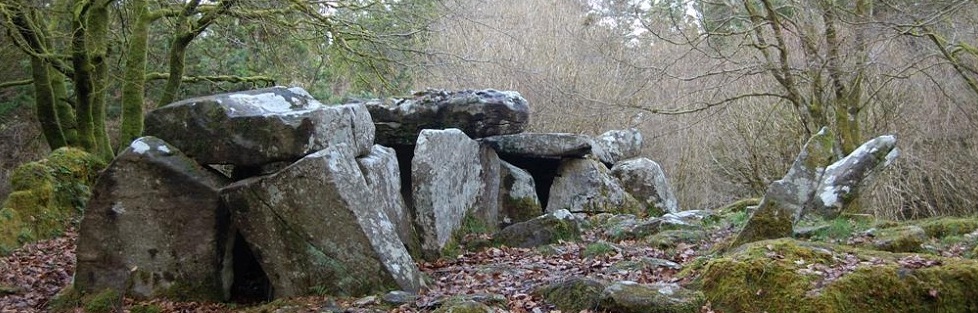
600, 248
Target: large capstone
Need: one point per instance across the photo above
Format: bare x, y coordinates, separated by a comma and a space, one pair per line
540, 145
518, 199
616, 145
384, 178
478, 113
257, 127
586, 185
155, 227
644, 180
318, 227
453, 178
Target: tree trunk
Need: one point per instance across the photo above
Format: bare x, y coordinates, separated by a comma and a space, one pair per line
83, 71
98, 20
177, 51
44, 104
134, 80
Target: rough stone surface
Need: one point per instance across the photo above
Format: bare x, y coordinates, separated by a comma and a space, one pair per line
574, 294
540, 145
453, 178
785, 200
644, 180
318, 227
843, 178
518, 200
543, 230
908, 238
586, 185
156, 213
616, 145
478, 113
627, 297
255, 127
383, 177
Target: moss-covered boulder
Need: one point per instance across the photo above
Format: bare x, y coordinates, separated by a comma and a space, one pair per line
644, 179
948, 226
574, 294
518, 201
543, 230
671, 238
908, 238
787, 275
47, 196
629, 297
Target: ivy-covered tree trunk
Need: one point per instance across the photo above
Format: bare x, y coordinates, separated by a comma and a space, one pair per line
66, 112
134, 79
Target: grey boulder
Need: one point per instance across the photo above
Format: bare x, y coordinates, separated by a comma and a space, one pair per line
643, 179
478, 113
453, 178
518, 199
616, 145
155, 227
256, 127
317, 227
586, 185
546, 229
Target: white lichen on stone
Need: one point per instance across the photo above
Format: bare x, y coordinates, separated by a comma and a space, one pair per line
140, 147
563, 214
163, 149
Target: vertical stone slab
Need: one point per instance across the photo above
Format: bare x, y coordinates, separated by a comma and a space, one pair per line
155, 227
518, 201
316, 227
383, 177
644, 180
453, 178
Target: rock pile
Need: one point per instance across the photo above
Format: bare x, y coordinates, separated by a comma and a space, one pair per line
269, 193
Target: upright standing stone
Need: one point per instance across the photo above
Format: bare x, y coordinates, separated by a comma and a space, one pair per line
155, 227
518, 201
317, 227
383, 178
453, 178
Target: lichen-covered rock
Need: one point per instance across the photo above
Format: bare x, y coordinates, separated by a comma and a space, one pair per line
518, 201
155, 228
453, 178
586, 185
540, 145
643, 179
785, 200
617, 145
478, 113
787, 275
47, 196
383, 177
627, 297
906, 238
546, 229
573, 294
842, 179
256, 127
317, 226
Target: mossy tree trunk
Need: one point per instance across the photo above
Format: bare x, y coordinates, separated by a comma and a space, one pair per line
134, 80
83, 72
98, 29
45, 101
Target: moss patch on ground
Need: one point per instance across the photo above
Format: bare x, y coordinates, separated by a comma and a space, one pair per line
786, 275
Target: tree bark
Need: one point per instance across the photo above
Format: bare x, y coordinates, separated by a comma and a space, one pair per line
44, 104
134, 79
83, 72
97, 21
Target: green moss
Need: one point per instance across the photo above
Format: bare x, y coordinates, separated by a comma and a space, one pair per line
65, 301
192, 291
769, 221
670, 238
738, 206
521, 209
776, 276
103, 302
599, 248
898, 239
11, 227
146, 308
572, 295
467, 306
942, 227
31, 175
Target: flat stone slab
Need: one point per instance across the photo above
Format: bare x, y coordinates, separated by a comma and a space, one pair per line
256, 127
540, 145
478, 113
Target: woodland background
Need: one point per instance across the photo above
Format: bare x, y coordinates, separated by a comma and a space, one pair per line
725, 91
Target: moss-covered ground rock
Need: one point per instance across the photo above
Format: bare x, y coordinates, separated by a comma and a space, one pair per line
787, 275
